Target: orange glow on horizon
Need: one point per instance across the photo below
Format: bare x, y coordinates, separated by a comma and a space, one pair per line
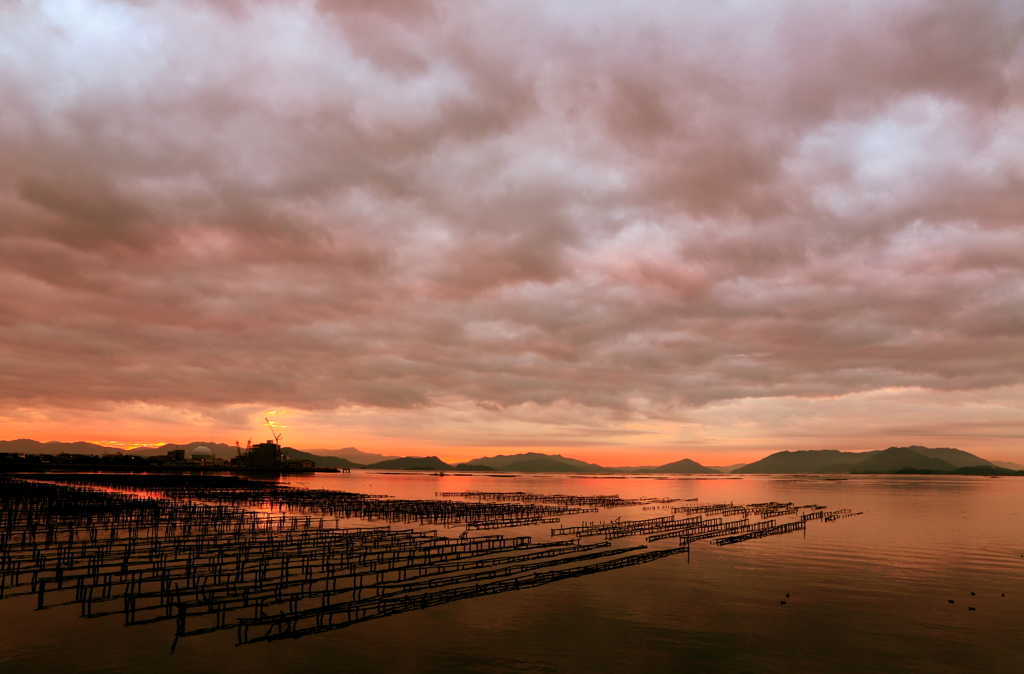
604, 456
724, 435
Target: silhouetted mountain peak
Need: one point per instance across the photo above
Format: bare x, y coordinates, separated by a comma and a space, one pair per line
897, 458
535, 462
955, 457
878, 461
681, 466
805, 461
413, 463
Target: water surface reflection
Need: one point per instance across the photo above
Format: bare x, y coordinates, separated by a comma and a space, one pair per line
865, 594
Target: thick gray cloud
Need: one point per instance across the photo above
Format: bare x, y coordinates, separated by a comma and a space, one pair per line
514, 206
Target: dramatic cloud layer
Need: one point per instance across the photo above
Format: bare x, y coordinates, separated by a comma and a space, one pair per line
510, 223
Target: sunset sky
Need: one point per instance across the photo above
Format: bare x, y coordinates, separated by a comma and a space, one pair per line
626, 233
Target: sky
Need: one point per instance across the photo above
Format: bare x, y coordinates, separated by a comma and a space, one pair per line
623, 232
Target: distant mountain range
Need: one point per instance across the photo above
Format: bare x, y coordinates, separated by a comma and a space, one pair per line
892, 460
685, 466
532, 462
727, 469
352, 454
223, 451
805, 461
219, 450
412, 463
25, 446
888, 460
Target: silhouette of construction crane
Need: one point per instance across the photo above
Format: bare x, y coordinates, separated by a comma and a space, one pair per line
277, 437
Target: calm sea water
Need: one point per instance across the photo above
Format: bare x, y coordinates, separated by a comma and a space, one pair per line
866, 594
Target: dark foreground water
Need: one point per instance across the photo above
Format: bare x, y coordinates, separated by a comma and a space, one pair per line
866, 594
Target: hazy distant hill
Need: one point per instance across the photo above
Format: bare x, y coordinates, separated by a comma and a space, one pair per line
1010, 465
534, 462
547, 464
727, 469
26, 446
475, 467
681, 466
354, 455
413, 463
805, 461
219, 449
898, 458
320, 461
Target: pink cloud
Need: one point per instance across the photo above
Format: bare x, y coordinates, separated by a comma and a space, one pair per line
494, 210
